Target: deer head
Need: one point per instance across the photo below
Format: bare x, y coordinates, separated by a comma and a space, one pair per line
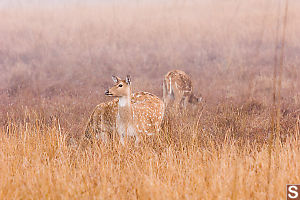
194, 100
121, 87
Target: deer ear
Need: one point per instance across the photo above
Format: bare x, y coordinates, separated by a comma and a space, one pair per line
128, 80
115, 78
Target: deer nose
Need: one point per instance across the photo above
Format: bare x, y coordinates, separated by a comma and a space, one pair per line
106, 92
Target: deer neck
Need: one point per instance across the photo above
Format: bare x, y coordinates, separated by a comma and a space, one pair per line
125, 109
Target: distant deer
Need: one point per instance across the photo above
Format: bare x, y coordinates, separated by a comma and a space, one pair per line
137, 115
177, 88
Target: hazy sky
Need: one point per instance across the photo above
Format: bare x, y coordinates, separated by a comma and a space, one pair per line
9, 3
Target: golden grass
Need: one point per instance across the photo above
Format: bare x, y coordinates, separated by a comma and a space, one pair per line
56, 62
37, 163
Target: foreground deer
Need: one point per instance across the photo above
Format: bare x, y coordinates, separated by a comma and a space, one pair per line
177, 88
137, 115
102, 121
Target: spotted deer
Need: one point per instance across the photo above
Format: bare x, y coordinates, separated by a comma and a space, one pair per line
102, 122
139, 114
177, 89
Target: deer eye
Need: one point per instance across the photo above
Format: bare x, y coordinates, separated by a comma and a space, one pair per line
120, 85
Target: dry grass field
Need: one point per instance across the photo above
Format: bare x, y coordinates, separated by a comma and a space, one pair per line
56, 60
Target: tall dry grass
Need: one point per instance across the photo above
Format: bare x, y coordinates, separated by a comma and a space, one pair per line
56, 62
37, 163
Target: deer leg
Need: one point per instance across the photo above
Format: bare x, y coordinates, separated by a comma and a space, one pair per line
185, 101
122, 134
178, 100
122, 140
102, 133
165, 92
137, 141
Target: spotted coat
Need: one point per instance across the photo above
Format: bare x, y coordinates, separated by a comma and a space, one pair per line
148, 111
177, 89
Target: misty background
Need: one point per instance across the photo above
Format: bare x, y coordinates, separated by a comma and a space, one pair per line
58, 56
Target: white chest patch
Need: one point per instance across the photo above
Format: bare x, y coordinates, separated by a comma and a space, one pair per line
123, 101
